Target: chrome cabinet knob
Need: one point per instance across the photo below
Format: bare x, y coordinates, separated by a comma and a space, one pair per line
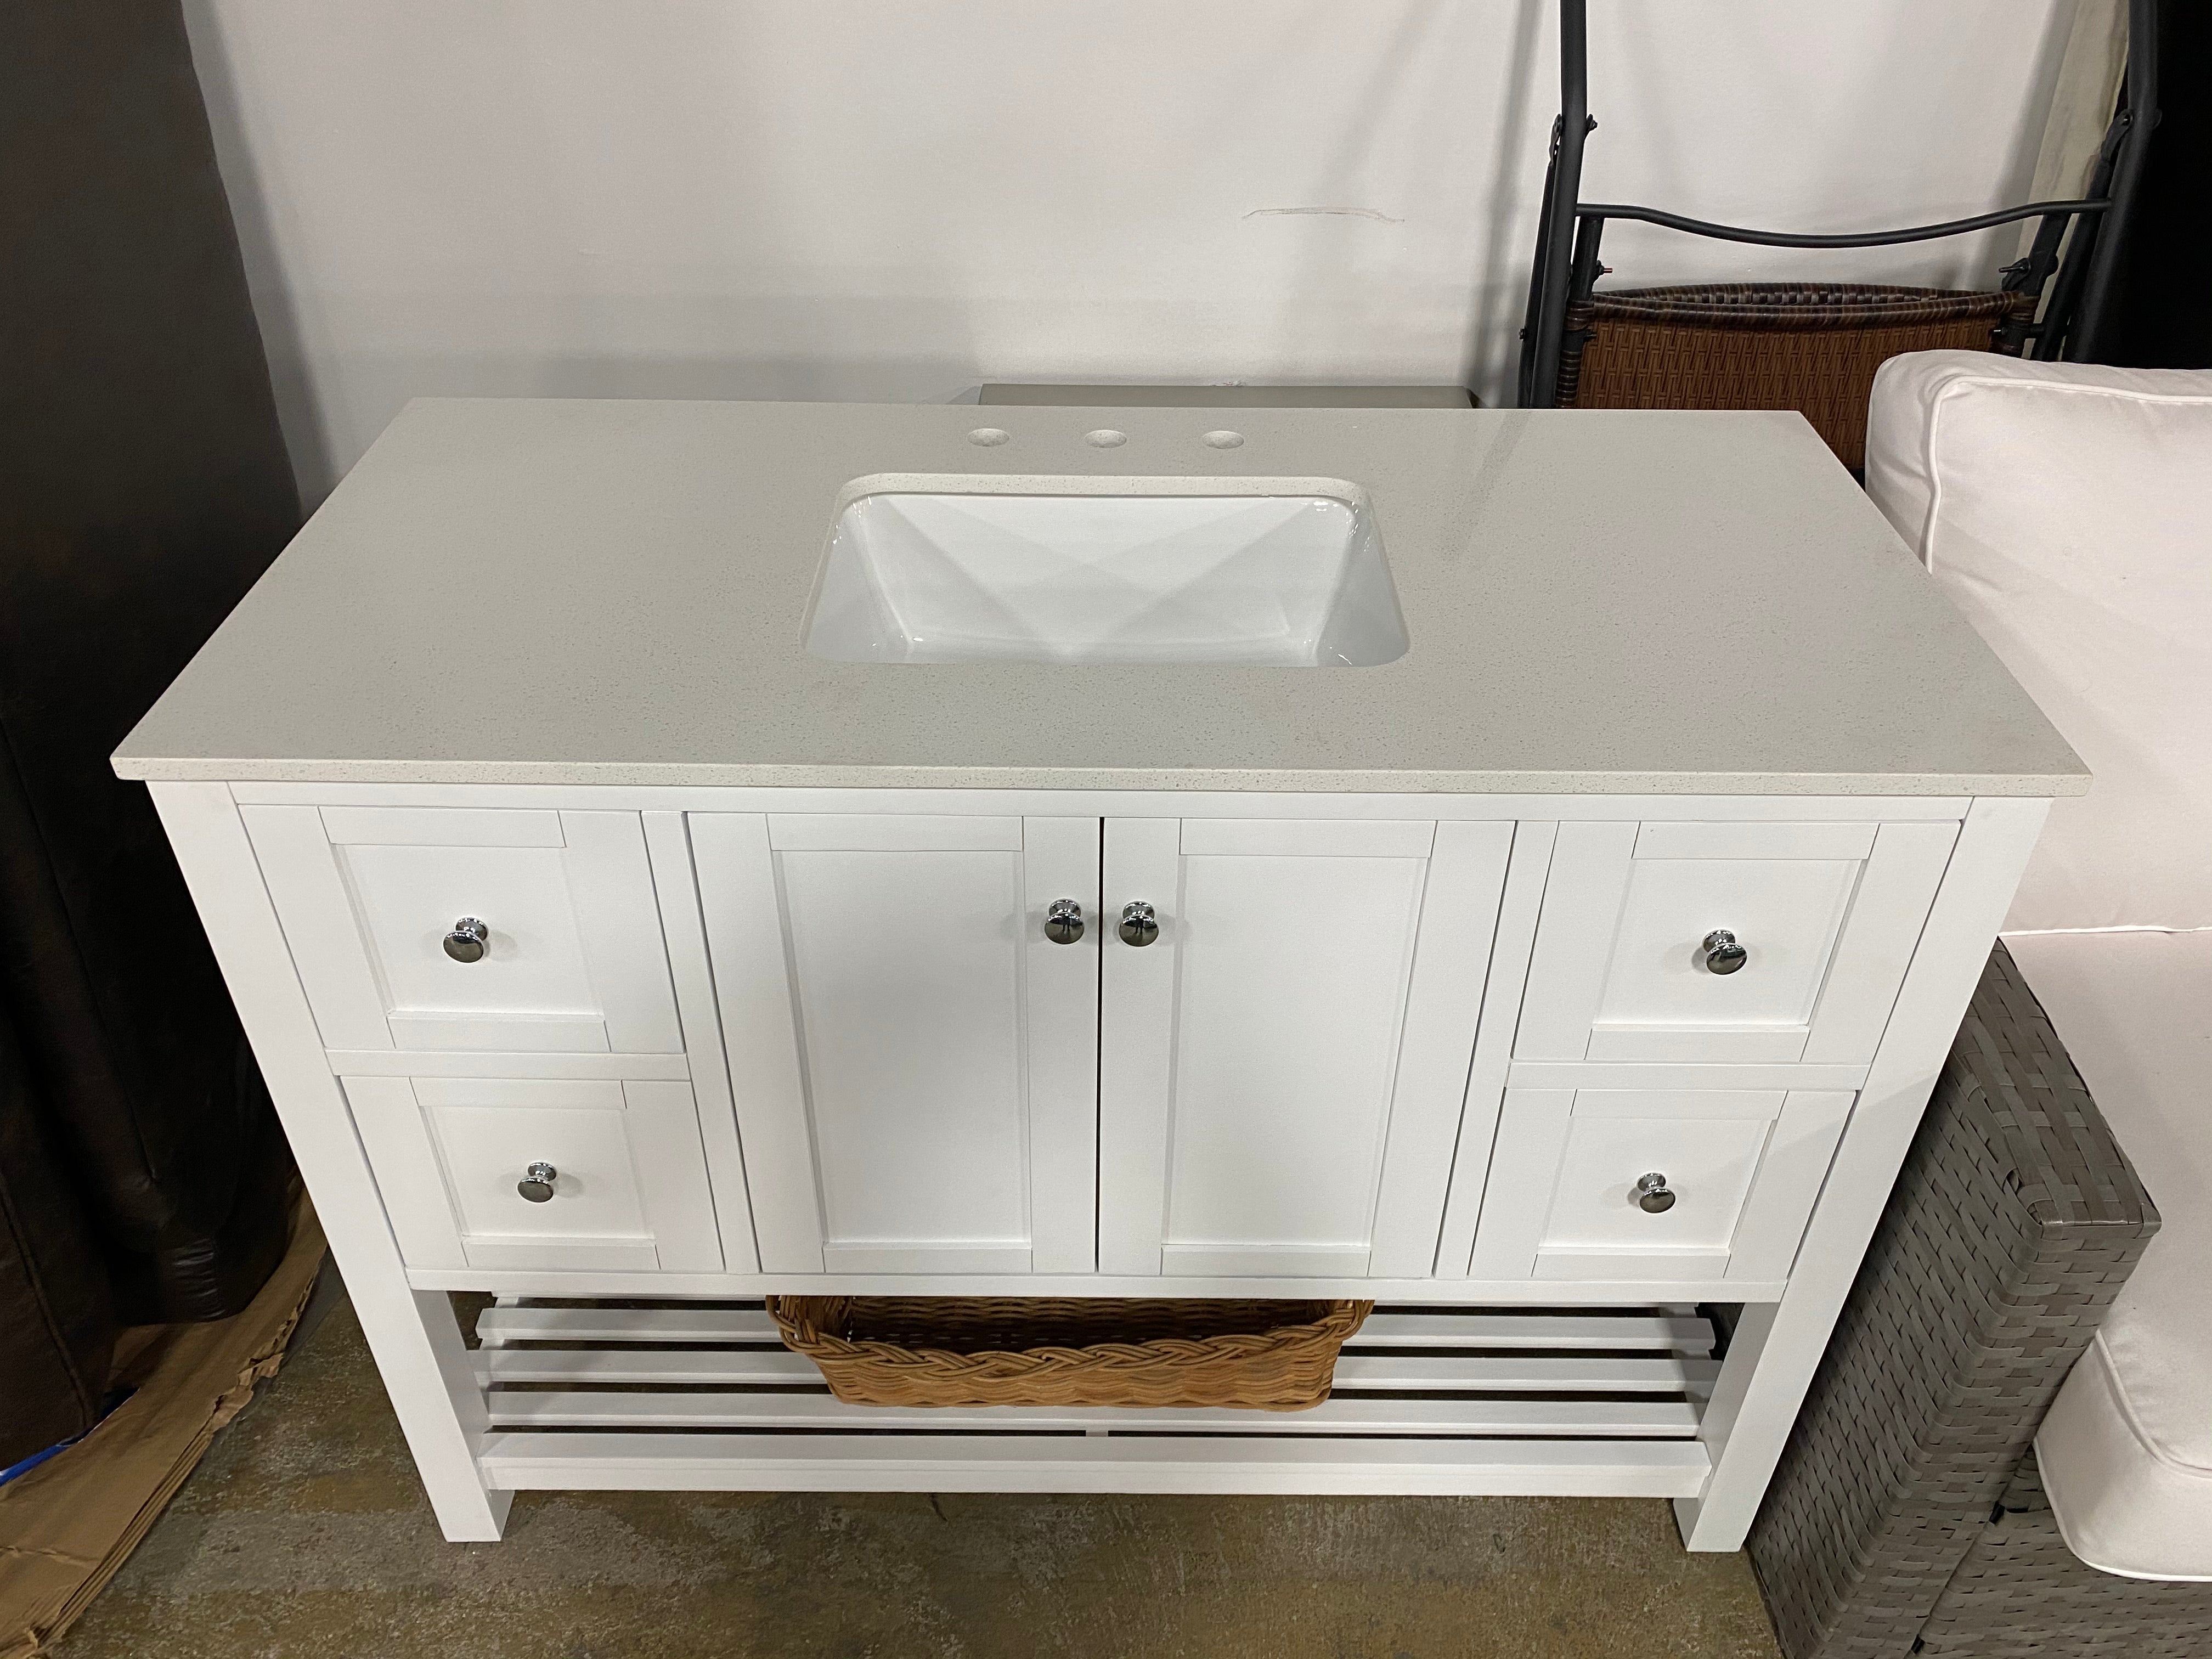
1139, 926
468, 940
1653, 1195
536, 1182
1723, 954
1063, 922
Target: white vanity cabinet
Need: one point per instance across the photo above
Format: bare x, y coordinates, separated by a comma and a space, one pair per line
1522, 868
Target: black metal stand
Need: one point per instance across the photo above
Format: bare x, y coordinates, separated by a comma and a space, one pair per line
2075, 321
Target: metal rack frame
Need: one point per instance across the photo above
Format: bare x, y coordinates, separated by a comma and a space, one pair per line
2076, 320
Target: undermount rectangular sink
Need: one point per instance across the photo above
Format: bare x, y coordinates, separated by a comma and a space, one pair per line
1295, 579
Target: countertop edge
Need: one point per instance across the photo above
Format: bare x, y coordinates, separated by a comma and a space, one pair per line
1381, 781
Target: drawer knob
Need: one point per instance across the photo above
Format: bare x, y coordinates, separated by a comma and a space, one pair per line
1723, 954
1063, 922
1653, 1195
1138, 925
467, 941
536, 1182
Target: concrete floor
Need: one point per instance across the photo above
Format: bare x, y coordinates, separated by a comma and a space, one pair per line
304, 1533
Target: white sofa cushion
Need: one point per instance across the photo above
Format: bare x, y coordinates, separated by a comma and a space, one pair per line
2126, 1448
2067, 509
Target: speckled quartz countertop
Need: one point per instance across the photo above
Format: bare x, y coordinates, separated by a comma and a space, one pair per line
518, 590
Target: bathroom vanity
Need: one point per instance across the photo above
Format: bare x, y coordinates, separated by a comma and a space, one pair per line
1523, 868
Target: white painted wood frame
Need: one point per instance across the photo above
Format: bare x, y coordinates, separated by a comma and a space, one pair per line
1451, 900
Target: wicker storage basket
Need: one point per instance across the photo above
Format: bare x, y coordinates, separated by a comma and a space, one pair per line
986, 1350
1810, 347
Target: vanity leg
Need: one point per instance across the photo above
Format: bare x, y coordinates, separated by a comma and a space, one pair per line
1778, 1346
413, 1334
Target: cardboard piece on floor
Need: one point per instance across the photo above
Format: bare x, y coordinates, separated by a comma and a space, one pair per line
67, 1526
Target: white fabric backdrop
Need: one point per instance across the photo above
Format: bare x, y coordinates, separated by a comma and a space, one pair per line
882, 200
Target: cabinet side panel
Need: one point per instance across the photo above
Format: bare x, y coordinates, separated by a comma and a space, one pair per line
1493, 1042
752, 989
1136, 1046
1895, 894
1060, 860
1459, 919
408, 1177
319, 926
1789, 1175
676, 891
623, 947
1532, 1134
1588, 881
672, 1173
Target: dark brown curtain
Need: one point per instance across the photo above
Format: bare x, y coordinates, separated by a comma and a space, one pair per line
143, 487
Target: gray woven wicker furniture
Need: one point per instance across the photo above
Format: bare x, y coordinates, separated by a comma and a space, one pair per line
1906, 1516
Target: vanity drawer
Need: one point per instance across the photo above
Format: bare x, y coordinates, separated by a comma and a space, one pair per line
1655, 1184
1754, 943
539, 1173
379, 904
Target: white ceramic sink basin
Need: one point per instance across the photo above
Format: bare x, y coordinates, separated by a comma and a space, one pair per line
1291, 579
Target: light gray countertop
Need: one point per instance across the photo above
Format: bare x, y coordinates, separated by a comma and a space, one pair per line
511, 590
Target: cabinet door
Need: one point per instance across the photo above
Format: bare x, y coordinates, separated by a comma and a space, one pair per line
1737, 1172
571, 959
1825, 917
1284, 1066
914, 1059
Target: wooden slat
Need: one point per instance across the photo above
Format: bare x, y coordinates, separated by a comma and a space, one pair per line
511, 1324
1681, 1334
1384, 1330
1471, 1415
1655, 1374
774, 1367
1195, 1463
726, 1367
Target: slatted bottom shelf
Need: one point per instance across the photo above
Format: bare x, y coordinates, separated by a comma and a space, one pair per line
1592, 1402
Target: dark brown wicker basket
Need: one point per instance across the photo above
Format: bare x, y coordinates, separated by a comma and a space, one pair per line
1010, 1351
1810, 347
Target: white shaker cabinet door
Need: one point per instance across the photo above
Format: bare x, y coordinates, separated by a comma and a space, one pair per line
913, 1054
1284, 1063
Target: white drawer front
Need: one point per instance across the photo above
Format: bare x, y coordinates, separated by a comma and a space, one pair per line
573, 960
629, 1190
1738, 1170
1826, 914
